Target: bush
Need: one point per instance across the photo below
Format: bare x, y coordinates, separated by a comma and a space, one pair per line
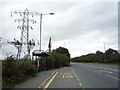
58, 60
15, 71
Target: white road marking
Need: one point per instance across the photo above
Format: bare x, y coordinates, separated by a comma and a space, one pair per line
88, 68
73, 72
105, 71
97, 71
80, 84
66, 76
115, 70
113, 77
77, 79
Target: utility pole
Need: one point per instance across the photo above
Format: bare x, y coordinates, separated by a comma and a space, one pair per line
25, 27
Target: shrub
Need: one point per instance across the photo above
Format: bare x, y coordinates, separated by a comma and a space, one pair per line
15, 71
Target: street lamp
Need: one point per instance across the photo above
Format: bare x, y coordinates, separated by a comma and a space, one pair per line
41, 25
64, 43
103, 44
104, 49
83, 51
41, 32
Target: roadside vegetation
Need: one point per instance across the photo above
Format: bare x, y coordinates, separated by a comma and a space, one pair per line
109, 57
16, 71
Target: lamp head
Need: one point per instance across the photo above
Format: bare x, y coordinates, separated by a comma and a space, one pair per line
51, 13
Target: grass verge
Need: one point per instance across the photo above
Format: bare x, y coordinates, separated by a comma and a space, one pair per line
98, 63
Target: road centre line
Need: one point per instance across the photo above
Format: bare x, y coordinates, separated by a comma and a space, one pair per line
51, 80
73, 72
105, 71
77, 79
115, 70
88, 69
113, 77
97, 71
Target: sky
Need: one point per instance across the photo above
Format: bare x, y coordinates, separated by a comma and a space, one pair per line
81, 27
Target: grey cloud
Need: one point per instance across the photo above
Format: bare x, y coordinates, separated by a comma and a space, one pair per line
87, 22
81, 23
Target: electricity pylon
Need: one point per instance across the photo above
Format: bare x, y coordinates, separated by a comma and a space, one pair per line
25, 27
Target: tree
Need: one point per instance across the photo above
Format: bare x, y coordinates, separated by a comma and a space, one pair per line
63, 50
99, 56
112, 55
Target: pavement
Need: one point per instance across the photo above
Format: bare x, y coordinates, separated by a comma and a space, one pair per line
77, 76
36, 81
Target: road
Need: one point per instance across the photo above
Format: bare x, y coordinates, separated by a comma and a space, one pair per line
78, 75
86, 76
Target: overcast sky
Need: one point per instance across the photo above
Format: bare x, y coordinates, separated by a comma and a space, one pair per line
78, 26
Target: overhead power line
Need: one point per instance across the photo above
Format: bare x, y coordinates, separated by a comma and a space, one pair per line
25, 27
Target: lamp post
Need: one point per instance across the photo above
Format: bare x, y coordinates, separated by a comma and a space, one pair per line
64, 43
104, 50
41, 33
41, 26
83, 51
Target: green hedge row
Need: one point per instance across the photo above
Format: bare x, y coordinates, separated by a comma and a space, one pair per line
110, 56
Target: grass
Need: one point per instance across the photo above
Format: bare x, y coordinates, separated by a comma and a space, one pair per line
98, 63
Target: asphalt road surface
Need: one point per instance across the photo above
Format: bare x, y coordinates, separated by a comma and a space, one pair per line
77, 76
86, 76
